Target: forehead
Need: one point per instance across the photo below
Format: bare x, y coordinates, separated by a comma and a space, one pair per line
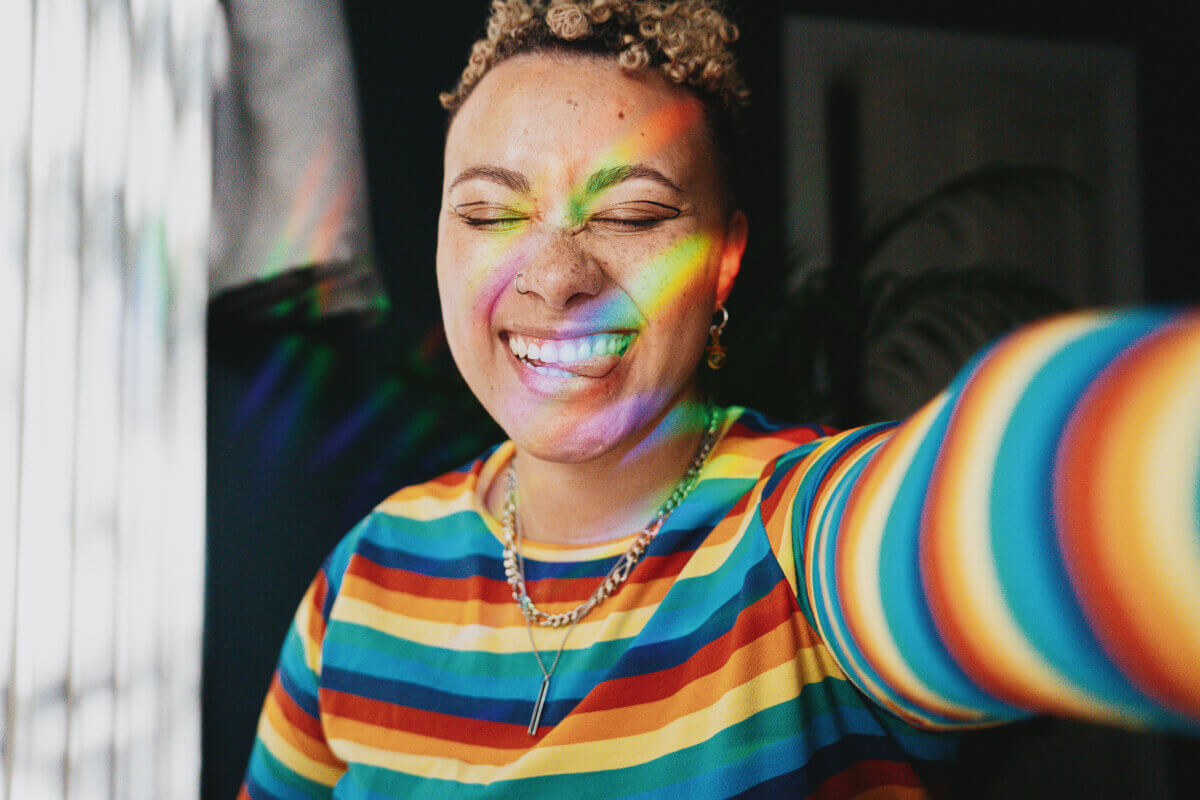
563, 115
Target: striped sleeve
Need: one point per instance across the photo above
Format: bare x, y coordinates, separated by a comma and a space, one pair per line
1029, 541
291, 759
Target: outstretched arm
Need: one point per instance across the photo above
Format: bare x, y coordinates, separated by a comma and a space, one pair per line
1027, 542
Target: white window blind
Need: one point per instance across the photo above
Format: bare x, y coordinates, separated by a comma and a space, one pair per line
105, 175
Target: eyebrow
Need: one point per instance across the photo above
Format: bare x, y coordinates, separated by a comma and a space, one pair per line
489, 172
607, 177
597, 182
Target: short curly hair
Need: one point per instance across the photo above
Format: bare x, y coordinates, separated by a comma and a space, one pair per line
688, 41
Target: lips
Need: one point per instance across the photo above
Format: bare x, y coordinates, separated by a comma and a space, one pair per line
590, 356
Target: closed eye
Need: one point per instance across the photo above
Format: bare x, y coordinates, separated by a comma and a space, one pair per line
635, 216
627, 224
488, 217
493, 222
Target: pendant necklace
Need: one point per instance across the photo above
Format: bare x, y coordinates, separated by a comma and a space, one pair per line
514, 562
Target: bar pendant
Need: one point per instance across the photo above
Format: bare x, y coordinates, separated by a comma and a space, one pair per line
539, 706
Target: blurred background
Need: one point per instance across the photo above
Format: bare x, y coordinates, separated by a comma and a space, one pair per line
919, 178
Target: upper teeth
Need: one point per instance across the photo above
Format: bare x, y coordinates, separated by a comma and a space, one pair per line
568, 351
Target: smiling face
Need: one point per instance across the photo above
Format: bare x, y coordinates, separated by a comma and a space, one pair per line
593, 191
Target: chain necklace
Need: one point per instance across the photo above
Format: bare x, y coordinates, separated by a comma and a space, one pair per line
514, 562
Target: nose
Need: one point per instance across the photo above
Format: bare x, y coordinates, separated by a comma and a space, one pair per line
561, 272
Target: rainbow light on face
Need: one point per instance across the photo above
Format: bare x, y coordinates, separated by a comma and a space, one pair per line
660, 282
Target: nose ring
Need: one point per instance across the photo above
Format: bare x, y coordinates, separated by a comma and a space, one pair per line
519, 283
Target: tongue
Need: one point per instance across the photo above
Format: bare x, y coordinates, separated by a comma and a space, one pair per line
594, 367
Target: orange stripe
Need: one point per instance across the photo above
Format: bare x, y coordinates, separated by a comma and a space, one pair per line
400, 729
1103, 530
317, 593
278, 717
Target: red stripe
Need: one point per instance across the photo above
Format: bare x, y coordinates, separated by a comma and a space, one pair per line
448, 727
1113, 619
294, 714
754, 621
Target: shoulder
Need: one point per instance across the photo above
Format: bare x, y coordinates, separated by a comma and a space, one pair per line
438, 519
764, 444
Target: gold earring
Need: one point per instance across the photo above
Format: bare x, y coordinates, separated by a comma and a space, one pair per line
716, 353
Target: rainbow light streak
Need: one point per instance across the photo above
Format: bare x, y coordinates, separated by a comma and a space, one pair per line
358, 421
266, 381
658, 284
306, 195
324, 237
330, 222
413, 434
688, 416
433, 341
284, 421
663, 129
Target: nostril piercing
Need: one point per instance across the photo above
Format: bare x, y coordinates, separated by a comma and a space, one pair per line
519, 283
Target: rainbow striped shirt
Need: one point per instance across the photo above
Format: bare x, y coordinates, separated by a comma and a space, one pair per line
812, 621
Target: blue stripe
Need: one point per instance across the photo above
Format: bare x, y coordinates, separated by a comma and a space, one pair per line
905, 605
1028, 560
295, 676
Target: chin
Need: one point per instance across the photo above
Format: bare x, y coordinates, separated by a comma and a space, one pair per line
574, 433
566, 438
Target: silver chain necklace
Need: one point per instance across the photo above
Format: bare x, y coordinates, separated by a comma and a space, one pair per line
514, 562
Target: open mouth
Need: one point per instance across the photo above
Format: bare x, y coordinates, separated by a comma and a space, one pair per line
591, 356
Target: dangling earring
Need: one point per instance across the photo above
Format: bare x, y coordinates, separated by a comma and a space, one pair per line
716, 353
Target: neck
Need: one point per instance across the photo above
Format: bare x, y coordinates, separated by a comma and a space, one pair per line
613, 496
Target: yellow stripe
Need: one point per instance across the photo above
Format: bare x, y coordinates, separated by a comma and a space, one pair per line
304, 615
733, 465
860, 549
295, 760
784, 549
470, 638
425, 507
1169, 544
1149, 471
552, 551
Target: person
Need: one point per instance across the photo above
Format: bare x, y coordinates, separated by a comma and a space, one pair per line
642, 594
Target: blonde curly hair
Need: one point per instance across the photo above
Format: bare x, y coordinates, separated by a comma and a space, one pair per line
688, 40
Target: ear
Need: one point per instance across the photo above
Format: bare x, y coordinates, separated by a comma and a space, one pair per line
731, 254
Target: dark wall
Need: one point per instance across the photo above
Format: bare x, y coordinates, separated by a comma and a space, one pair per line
309, 428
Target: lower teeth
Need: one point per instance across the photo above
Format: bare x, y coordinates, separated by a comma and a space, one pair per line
551, 371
